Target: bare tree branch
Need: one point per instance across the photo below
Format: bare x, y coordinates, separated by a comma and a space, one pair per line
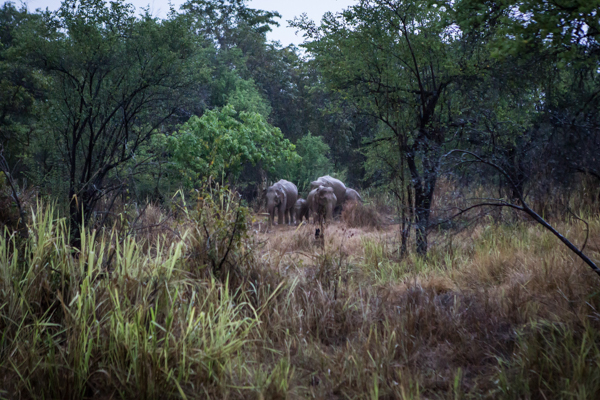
524, 207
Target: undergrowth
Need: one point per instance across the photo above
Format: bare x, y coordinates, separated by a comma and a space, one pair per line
212, 311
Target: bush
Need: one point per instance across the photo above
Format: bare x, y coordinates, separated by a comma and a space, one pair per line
112, 319
358, 215
221, 143
218, 231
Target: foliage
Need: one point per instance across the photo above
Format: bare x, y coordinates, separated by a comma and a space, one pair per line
229, 87
220, 231
537, 100
223, 20
21, 87
569, 29
149, 331
222, 141
115, 79
246, 98
313, 163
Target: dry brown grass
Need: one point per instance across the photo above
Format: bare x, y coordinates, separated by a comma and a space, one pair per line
357, 322
359, 215
498, 311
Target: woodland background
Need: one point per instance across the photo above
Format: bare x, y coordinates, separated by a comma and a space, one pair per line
100, 104
134, 151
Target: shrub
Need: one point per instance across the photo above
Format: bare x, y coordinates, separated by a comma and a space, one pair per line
358, 215
218, 231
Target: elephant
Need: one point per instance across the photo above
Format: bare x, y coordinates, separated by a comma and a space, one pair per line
352, 195
321, 201
339, 189
282, 196
302, 210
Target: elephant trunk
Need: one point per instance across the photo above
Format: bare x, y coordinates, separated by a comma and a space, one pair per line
282, 208
271, 210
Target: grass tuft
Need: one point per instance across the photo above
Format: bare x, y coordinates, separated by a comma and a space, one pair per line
359, 215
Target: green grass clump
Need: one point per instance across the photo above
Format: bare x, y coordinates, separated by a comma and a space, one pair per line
109, 319
553, 360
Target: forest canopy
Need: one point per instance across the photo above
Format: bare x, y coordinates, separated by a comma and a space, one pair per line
101, 103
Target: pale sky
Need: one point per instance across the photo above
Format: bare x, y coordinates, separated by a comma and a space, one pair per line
287, 8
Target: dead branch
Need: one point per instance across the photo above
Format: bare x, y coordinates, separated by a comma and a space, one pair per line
524, 207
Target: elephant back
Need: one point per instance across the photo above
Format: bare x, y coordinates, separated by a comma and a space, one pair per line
353, 195
339, 189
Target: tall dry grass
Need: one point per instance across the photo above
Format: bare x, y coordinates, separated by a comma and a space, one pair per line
464, 322
501, 311
359, 215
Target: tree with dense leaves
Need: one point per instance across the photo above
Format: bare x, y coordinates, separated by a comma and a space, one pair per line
114, 80
221, 142
397, 61
21, 87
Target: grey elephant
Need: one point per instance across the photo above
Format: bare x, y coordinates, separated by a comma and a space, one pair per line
352, 195
281, 197
322, 201
339, 189
301, 210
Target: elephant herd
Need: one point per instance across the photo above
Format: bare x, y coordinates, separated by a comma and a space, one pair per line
326, 195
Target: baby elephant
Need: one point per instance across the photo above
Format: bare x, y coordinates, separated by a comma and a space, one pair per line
301, 210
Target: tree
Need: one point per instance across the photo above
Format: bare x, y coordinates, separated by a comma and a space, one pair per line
20, 87
224, 21
114, 81
396, 61
312, 164
537, 110
222, 142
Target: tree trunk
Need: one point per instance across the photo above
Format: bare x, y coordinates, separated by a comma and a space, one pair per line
406, 205
424, 186
422, 213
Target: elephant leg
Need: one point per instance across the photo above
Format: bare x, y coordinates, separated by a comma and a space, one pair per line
286, 214
280, 216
